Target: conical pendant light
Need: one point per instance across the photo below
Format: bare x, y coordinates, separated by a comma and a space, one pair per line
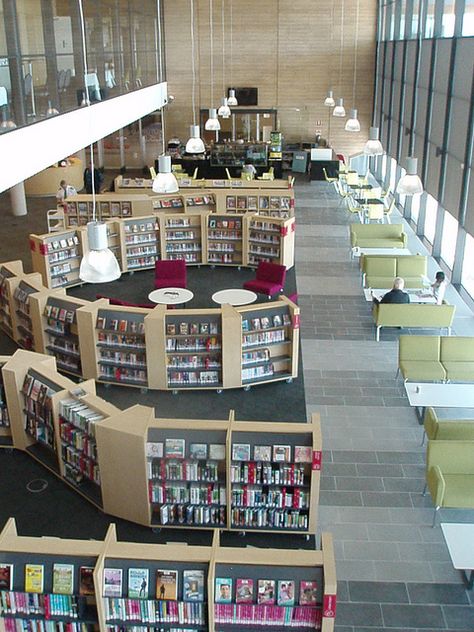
339, 110
329, 100
373, 147
352, 124
231, 99
212, 124
165, 181
98, 265
410, 183
224, 110
195, 144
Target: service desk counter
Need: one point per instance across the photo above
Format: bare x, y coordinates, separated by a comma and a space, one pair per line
323, 159
47, 182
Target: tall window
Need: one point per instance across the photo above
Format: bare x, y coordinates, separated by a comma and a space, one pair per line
448, 241
430, 218
467, 276
415, 208
415, 18
468, 19
430, 19
449, 18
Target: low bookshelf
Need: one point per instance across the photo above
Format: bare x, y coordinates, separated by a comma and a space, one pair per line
141, 243
79, 209
111, 585
57, 257
271, 203
5, 431
7, 271
224, 237
269, 239
182, 237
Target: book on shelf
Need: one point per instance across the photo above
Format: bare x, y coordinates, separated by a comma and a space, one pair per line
63, 579
138, 579
112, 582
34, 578
286, 592
86, 581
244, 590
223, 590
266, 591
6, 576
193, 585
166, 584
175, 448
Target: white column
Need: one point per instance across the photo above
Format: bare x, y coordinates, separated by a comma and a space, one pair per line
18, 200
122, 148
100, 153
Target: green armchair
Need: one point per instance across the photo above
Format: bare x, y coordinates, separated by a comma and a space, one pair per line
446, 429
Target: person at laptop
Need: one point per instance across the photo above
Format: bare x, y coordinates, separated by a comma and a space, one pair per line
396, 294
439, 287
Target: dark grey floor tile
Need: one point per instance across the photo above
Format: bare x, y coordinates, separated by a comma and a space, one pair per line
378, 592
359, 614
327, 483
460, 617
354, 456
386, 499
361, 483
342, 591
340, 499
372, 469
339, 469
401, 457
437, 593
413, 616
404, 484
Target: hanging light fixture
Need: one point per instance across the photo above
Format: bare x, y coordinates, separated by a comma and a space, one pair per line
165, 181
373, 147
195, 144
410, 183
7, 122
99, 264
352, 124
232, 99
51, 111
339, 110
212, 123
224, 110
329, 100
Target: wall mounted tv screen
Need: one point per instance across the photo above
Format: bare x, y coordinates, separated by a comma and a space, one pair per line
246, 96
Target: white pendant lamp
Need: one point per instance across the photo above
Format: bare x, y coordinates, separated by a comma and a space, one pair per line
99, 265
339, 110
410, 183
232, 99
51, 111
373, 147
165, 181
352, 124
195, 144
329, 100
212, 123
224, 110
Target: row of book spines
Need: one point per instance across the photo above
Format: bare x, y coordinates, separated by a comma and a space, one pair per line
151, 611
194, 494
192, 471
79, 440
48, 604
84, 420
258, 473
181, 514
269, 517
279, 498
265, 615
40, 625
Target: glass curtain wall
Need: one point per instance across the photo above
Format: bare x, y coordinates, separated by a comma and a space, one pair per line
41, 54
425, 78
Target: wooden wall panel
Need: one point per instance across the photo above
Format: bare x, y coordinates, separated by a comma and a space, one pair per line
289, 50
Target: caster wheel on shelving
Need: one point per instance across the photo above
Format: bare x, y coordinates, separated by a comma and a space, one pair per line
219, 391
246, 388
156, 529
239, 268
143, 391
242, 534
174, 391
289, 380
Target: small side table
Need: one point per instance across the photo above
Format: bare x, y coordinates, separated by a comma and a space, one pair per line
234, 297
460, 542
170, 296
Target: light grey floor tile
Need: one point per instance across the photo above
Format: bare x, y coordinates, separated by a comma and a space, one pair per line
403, 571
370, 551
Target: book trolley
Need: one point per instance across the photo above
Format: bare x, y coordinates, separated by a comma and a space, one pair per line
110, 585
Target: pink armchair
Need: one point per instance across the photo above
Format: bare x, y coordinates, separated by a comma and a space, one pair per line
270, 279
170, 273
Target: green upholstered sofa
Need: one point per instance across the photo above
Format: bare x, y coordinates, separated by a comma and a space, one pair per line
446, 429
433, 358
378, 271
450, 474
378, 236
422, 315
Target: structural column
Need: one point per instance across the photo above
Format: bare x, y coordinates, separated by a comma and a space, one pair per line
18, 200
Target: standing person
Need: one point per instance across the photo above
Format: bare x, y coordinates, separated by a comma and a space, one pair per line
98, 179
396, 294
65, 190
439, 286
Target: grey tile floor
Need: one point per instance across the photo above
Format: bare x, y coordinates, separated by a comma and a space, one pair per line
394, 570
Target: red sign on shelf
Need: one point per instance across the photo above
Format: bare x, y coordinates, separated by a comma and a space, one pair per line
43, 248
284, 231
329, 606
296, 321
32, 245
317, 459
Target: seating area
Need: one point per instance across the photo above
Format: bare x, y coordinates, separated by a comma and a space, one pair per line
436, 358
269, 279
377, 236
170, 273
412, 316
446, 429
378, 271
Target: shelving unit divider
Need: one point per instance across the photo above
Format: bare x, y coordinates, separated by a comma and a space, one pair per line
86, 321
156, 342
232, 347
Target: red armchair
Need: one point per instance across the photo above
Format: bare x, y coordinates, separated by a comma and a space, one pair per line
170, 273
270, 279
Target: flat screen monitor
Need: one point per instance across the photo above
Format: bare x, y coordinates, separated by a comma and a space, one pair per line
246, 96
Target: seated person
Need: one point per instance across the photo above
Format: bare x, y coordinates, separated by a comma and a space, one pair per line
439, 287
396, 294
249, 170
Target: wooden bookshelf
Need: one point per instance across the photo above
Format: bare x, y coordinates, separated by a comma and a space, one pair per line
5, 431
268, 203
57, 257
197, 570
224, 240
269, 239
182, 237
78, 210
141, 243
7, 271
18, 290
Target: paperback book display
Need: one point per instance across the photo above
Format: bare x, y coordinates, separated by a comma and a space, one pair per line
63, 256
21, 297
142, 243
273, 206
63, 339
175, 596
183, 237
224, 237
264, 242
187, 482
5, 315
38, 409
121, 345
194, 351
4, 416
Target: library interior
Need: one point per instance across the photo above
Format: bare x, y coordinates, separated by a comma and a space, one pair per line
236, 315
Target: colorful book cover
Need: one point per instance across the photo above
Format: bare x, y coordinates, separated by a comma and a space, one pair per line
217, 451
193, 585
34, 578
262, 453
303, 454
63, 579
282, 453
154, 449
86, 580
166, 584
308, 593
286, 593
198, 450
6, 576
174, 448
266, 591
112, 582
223, 590
138, 583
244, 591
241, 452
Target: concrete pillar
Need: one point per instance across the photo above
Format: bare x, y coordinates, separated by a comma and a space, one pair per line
122, 151
18, 200
100, 153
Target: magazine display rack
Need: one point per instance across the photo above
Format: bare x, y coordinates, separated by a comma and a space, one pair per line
109, 585
57, 257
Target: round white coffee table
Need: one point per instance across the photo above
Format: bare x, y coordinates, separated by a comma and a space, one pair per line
171, 296
234, 297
